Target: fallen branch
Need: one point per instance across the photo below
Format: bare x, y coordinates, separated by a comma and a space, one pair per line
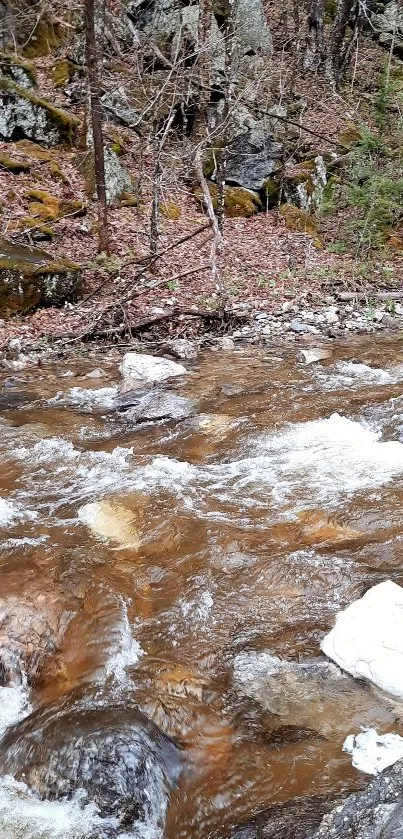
224, 317
346, 296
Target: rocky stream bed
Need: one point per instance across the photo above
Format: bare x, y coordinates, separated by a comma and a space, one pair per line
177, 540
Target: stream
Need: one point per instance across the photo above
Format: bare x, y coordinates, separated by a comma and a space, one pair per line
185, 573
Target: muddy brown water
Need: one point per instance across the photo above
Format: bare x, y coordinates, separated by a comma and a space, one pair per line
236, 533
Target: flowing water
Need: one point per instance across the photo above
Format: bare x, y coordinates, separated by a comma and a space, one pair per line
191, 570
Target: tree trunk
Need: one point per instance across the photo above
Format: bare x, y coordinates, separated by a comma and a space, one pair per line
340, 48
96, 123
314, 45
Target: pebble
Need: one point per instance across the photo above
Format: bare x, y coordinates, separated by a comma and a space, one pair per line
297, 326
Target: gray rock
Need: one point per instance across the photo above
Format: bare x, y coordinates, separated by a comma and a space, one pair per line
29, 278
110, 750
252, 159
314, 354
182, 348
117, 105
156, 405
376, 813
306, 192
293, 820
24, 114
298, 326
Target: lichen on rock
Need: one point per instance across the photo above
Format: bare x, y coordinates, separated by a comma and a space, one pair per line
24, 114
30, 278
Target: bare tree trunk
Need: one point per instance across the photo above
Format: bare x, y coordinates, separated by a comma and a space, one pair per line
349, 16
154, 232
314, 44
96, 123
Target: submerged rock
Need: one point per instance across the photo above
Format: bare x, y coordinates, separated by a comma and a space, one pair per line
30, 277
107, 749
313, 694
149, 369
292, 820
367, 639
114, 521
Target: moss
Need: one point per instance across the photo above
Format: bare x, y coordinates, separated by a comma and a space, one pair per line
29, 277
45, 38
238, 202
57, 174
128, 199
350, 137
66, 123
62, 72
50, 208
38, 232
171, 210
13, 165
330, 10
9, 62
34, 151
296, 219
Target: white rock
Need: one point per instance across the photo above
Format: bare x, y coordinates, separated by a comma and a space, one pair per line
266, 331
399, 309
225, 343
148, 368
331, 316
182, 348
378, 315
367, 639
372, 752
314, 354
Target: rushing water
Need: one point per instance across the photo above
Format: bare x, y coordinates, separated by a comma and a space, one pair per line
191, 570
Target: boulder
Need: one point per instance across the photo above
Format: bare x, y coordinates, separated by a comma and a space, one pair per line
252, 159
116, 105
110, 751
372, 752
387, 26
24, 114
117, 179
312, 694
314, 354
304, 184
156, 405
20, 71
32, 626
30, 277
367, 639
149, 369
377, 812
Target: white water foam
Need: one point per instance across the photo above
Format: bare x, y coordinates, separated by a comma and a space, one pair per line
126, 651
372, 752
313, 462
24, 816
352, 374
88, 399
14, 705
10, 512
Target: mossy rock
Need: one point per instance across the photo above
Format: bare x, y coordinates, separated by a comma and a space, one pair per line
350, 137
63, 71
50, 208
38, 232
170, 210
13, 165
271, 189
296, 219
128, 199
37, 119
57, 174
30, 278
238, 202
19, 70
32, 150
44, 38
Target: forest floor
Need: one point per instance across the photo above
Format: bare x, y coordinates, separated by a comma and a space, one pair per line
263, 265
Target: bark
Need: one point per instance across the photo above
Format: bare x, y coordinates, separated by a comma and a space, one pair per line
344, 35
96, 123
314, 45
